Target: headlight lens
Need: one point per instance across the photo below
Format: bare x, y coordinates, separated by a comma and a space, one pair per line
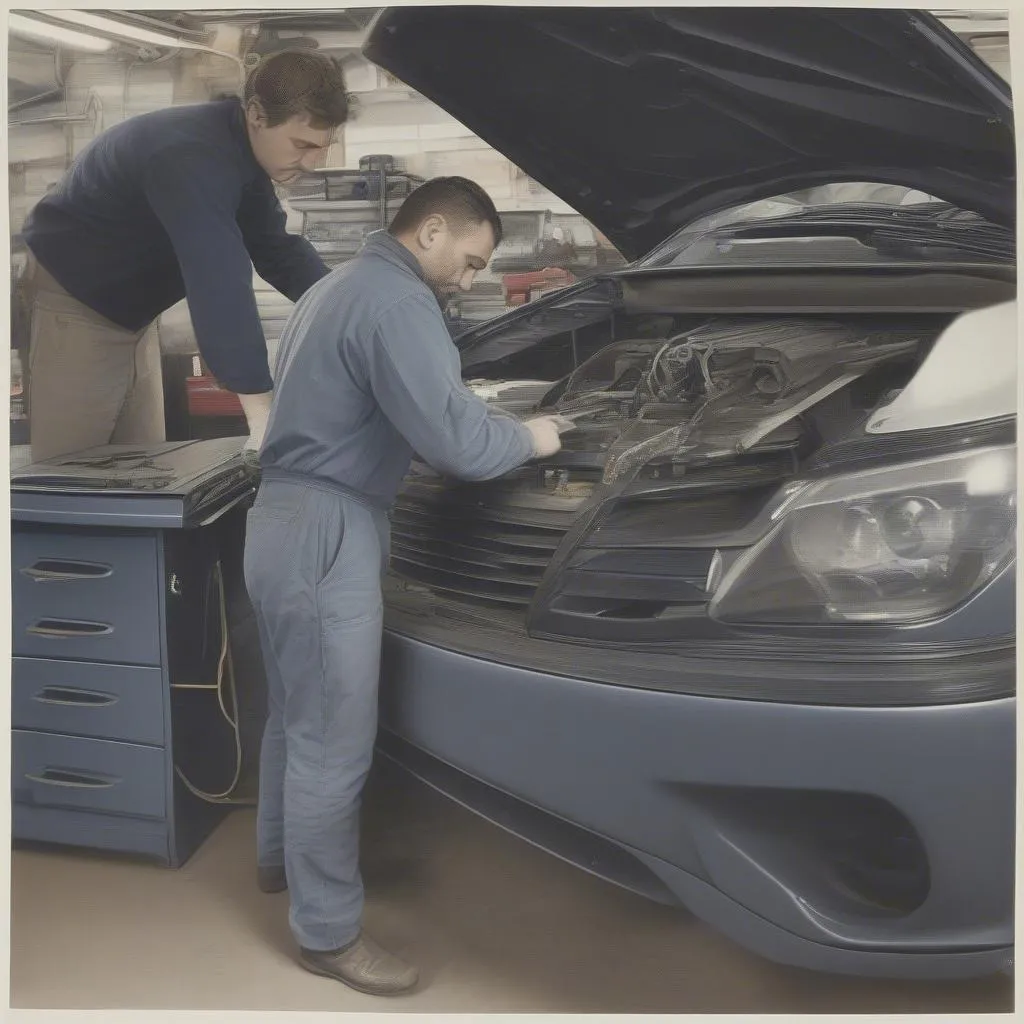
895, 545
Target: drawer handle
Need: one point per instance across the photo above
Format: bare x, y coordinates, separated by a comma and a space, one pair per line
67, 629
72, 779
74, 698
53, 570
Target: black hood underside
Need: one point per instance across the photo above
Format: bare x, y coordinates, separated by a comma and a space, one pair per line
643, 119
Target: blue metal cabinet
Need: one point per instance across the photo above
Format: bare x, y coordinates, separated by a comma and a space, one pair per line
116, 642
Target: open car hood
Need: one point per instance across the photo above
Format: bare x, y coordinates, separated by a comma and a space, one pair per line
643, 119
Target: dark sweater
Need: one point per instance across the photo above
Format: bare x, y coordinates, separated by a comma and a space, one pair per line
170, 205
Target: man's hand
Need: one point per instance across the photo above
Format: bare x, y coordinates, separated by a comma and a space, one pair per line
564, 424
257, 412
545, 433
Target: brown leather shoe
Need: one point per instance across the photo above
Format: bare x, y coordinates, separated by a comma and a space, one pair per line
364, 966
271, 879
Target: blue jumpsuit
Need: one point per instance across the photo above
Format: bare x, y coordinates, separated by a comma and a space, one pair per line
366, 375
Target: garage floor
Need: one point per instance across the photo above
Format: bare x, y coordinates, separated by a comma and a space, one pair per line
496, 926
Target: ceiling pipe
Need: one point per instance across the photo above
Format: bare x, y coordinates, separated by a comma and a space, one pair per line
93, 104
42, 97
156, 25
132, 35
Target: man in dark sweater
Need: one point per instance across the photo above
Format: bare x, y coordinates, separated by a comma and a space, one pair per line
172, 204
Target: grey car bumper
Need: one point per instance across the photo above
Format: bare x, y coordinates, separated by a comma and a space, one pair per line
858, 840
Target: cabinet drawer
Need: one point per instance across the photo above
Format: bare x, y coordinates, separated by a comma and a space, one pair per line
85, 595
113, 702
91, 831
87, 775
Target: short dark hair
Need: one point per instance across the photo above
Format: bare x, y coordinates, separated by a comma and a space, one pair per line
459, 200
293, 82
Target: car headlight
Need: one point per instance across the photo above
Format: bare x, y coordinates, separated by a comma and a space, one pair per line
901, 544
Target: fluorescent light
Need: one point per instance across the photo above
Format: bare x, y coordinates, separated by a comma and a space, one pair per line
55, 34
115, 28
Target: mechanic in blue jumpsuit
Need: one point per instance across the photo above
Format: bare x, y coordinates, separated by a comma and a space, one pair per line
366, 376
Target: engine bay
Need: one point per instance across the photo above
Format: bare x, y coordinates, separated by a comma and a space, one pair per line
688, 431
717, 390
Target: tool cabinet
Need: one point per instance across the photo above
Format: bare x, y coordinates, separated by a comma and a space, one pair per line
118, 557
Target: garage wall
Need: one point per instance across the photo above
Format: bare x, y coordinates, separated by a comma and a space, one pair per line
985, 32
98, 92
391, 118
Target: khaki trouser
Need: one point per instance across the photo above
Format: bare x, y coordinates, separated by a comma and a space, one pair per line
90, 382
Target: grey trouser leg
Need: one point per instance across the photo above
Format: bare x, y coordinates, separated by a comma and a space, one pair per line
313, 562
90, 382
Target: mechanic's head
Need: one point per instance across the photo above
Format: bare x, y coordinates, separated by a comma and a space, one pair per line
451, 226
294, 99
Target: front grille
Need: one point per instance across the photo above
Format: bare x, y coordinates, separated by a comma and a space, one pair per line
478, 543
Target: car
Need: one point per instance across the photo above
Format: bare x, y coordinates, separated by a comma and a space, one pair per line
746, 644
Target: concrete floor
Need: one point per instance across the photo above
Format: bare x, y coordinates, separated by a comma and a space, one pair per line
495, 925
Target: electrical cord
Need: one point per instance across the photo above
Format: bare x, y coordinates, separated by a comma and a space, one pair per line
224, 662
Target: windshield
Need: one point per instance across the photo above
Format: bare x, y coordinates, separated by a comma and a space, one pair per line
845, 224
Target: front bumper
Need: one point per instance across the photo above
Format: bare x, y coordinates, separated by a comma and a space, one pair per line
716, 804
